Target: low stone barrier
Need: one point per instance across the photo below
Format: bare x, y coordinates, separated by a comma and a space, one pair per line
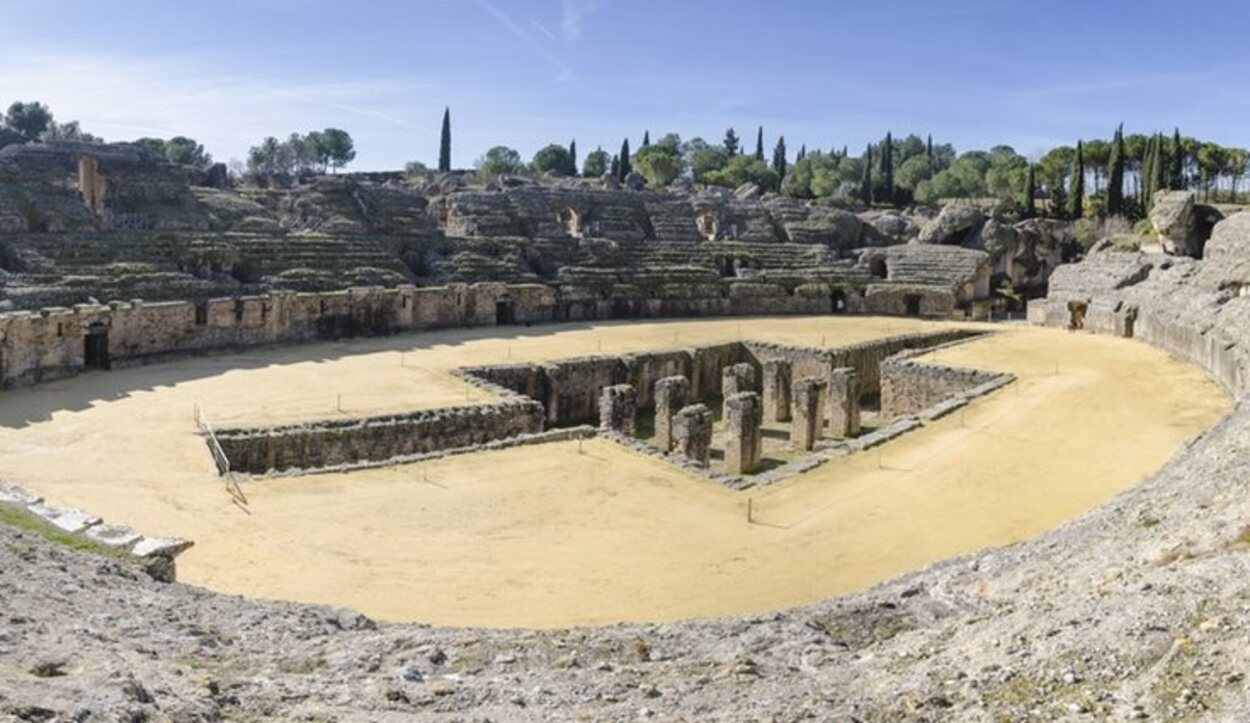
156, 554
339, 443
910, 386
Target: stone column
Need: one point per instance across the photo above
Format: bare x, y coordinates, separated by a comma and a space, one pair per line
776, 390
843, 403
692, 433
806, 427
618, 409
744, 412
737, 378
671, 395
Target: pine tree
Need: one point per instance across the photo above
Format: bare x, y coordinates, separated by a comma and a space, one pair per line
865, 187
1115, 184
572, 169
444, 146
779, 159
626, 166
1076, 185
1176, 174
1030, 193
731, 142
759, 145
887, 169
646, 138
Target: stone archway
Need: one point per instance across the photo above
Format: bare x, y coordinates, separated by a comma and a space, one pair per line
96, 347
571, 220
709, 225
1076, 315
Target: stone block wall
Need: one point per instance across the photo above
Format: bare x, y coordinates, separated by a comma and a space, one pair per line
326, 444
909, 386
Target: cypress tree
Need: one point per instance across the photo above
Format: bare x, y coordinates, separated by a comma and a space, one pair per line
1147, 172
615, 168
626, 166
928, 151
779, 159
865, 188
1159, 170
887, 168
444, 146
759, 145
572, 169
845, 152
1176, 175
1030, 193
1076, 185
731, 142
1115, 184
646, 138
802, 153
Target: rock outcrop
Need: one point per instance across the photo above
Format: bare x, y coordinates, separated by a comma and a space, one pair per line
957, 225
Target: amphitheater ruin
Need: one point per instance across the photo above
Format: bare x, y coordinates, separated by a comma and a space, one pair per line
524, 409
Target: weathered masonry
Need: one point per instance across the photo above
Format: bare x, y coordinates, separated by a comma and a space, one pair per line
339, 443
56, 342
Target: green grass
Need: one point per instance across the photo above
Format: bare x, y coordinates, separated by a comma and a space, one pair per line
20, 519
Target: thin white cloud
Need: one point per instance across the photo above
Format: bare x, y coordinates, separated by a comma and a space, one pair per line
542, 29
574, 14
565, 72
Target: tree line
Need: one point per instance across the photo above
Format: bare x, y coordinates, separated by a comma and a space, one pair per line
1094, 177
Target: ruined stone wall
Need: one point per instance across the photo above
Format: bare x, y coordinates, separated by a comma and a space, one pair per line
37, 346
865, 358
909, 386
319, 445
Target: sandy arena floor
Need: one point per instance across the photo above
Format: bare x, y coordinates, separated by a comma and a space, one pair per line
548, 535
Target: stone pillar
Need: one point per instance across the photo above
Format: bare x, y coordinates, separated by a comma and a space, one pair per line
737, 378
744, 412
671, 395
776, 390
807, 423
618, 409
692, 433
843, 403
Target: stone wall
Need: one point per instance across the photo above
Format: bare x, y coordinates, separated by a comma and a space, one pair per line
334, 443
909, 386
865, 358
51, 343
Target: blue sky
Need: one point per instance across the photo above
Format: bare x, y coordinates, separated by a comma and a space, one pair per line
528, 72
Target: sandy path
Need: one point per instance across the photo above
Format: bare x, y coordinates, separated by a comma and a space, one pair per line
549, 536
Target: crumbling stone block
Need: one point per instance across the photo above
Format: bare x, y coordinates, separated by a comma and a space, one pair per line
777, 390
618, 409
736, 379
744, 445
844, 417
807, 424
671, 395
692, 433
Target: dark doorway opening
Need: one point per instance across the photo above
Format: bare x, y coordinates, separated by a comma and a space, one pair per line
1076, 315
838, 300
505, 312
911, 302
95, 354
